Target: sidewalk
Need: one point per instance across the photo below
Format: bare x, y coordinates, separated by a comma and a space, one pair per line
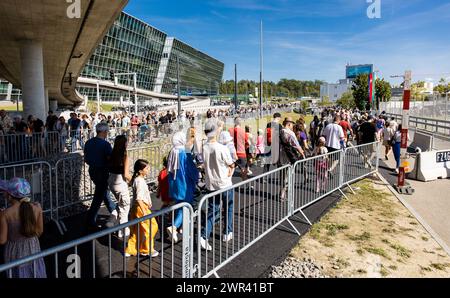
431, 200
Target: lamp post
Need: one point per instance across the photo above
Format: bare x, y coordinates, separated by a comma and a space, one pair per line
98, 90
134, 74
178, 87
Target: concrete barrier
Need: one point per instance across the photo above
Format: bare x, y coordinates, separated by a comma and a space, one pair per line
422, 140
431, 165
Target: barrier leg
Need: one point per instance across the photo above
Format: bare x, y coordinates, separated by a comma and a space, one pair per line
351, 189
343, 193
292, 229
304, 215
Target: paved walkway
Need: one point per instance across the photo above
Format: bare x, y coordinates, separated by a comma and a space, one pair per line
431, 200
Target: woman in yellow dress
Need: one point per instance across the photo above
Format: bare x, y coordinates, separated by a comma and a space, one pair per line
147, 229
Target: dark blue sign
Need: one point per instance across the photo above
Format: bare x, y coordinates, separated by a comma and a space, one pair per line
353, 71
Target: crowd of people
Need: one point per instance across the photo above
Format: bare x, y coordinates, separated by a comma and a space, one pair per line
31, 138
192, 161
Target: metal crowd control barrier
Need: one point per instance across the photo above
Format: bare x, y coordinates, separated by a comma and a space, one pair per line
360, 161
27, 147
73, 186
246, 212
38, 174
154, 154
315, 178
82, 258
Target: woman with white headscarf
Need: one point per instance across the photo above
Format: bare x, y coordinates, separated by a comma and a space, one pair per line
183, 177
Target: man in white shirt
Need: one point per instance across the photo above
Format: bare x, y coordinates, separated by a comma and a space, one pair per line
218, 166
334, 135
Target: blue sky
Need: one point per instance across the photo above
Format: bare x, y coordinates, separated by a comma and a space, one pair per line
309, 40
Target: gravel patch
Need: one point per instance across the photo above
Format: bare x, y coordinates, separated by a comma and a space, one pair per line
294, 268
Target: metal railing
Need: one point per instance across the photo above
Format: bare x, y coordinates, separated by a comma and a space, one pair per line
230, 220
39, 175
27, 147
154, 154
79, 258
246, 212
73, 186
315, 178
437, 126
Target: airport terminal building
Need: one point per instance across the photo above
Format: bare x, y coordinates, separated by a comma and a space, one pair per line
133, 46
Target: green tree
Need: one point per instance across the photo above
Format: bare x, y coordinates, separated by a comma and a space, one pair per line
346, 101
304, 105
382, 91
360, 91
325, 102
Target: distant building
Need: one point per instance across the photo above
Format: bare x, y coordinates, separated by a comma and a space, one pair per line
335, 91
429, 87
8, 91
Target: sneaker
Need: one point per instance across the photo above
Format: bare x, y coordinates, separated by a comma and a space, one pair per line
173, 234
127, 255
228, 237
205, 245
155, 253
120, 233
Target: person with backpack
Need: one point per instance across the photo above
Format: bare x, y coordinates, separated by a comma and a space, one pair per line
291, 151
273, 130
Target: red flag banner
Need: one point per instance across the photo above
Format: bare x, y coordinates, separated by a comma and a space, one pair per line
406, 99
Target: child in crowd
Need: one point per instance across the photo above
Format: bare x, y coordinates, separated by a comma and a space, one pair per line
226, 140
20, 226
163, 186
321, 165
142, 205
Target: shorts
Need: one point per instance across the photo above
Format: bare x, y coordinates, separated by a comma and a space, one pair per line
331, 149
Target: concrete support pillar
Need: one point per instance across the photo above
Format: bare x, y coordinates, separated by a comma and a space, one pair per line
32, 69
53, 105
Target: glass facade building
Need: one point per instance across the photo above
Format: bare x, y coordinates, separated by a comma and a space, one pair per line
134, 46
8, 91
200, 74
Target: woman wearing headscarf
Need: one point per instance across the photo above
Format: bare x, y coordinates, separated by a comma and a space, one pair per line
183, 177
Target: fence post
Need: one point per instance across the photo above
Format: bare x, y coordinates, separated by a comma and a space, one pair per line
187, 250
341, 167
291, 190
377, 163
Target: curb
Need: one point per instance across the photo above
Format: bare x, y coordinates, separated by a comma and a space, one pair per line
416, 215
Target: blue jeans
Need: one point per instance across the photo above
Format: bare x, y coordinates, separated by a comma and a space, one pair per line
100, 178
227, 199
178, 221
396, 150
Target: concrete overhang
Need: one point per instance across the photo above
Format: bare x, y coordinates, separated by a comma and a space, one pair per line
67, 42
